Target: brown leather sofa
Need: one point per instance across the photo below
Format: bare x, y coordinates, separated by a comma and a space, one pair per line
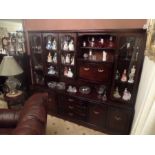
30, 120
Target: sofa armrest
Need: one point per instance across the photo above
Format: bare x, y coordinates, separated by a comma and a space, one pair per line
9, 118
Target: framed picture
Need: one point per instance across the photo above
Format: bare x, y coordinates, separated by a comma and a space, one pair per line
150, 43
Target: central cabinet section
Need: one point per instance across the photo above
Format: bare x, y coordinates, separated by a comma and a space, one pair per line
91, 77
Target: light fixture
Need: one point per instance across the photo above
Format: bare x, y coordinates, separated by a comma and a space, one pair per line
9, 67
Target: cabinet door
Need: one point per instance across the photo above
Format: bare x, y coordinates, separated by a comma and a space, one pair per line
118, 120
36, 58
97, 115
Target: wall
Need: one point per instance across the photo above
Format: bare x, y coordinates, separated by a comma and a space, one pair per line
77, 24
12, 25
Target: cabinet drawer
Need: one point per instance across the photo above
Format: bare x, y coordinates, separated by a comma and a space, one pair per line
99, 73
118, 120
97, 115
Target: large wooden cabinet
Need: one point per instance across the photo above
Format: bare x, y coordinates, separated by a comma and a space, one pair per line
91, 76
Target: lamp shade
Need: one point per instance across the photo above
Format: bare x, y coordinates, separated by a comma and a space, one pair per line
9, 67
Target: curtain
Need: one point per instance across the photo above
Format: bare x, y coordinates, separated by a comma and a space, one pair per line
144, 119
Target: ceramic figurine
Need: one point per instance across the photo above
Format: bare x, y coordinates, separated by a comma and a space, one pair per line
62, 59
55, 58
101, 43
117, 76
90, 55
70, 73
104, 56
111, 44
49, 57
84, 44
65, 71
132, 74
126, 95
92, 42
124, 77
104, 97
72, 60
65, 46
49, 44
54, 45
67, 59
51, 70
85, 56
71, 45
116, 93
71, 89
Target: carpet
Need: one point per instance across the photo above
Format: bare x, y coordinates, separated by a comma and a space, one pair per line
57, 126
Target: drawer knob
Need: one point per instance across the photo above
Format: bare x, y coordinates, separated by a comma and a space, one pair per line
86, 69
70, 107
100, 70
118, 118
96, 112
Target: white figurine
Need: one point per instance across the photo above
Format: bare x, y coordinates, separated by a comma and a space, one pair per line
49, 45
92, 42
126, 95
116, 93
90, 55
65, 46
65, 71
54, 45
132, 74
117, 76
104, 56
124, 77
62, 59
67, 60
72, 60
84, 44
49, 57
71, 45
55, 58
51, 70
70, 73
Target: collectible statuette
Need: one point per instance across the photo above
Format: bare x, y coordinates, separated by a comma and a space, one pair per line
71, 45
132, 74
116, 93
55, 58
117, 76
126, 95
104, 56
124, 77
49, 44
51, 70
54, 45
49, 57
65, 46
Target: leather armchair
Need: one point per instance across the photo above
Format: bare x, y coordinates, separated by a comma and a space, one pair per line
30, 120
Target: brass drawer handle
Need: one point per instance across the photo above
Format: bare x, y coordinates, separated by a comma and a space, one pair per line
70, 100
118, 118
86, 69
70, 107
100, 70
96, 112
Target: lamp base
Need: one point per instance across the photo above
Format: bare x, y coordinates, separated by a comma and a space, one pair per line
17, 93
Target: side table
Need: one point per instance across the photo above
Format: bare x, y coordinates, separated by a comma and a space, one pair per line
15, 101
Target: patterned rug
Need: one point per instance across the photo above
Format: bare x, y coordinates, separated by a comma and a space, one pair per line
57, 126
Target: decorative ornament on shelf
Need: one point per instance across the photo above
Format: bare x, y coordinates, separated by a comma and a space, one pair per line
124, 76
117, 75
72, 60
92, 42
104, 56
71, 45
49, 44
132, 74
116, 93
126, 95
55, 58
84, 44
65, 46
54, 45
49, 57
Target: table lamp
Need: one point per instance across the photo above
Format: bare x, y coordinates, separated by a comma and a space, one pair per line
9, 67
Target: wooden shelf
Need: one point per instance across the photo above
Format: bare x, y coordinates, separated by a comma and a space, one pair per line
98, 48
